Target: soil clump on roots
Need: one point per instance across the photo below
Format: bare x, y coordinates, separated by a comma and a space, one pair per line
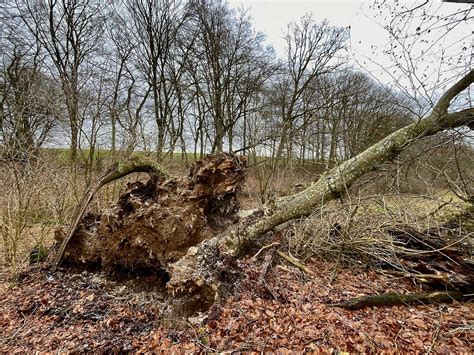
154, 223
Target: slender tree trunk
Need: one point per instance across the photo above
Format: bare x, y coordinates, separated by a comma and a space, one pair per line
201, 146
322, 147
333, 148
244, 133
158, 116
74, 125
113, 136
219, 134
230, 137
282, 143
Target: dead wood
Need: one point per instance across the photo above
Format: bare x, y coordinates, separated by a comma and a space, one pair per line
187, 226
116, 171
393, 298
296, 263
191, 272
441, 256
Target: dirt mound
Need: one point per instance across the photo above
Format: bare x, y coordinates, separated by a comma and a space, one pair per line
154, 223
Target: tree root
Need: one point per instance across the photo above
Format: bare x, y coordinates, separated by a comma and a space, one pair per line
393, 298
114, 172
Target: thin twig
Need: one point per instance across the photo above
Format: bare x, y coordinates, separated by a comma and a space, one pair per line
265, 247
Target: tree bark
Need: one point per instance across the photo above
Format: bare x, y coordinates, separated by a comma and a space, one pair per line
392, 299
199, 269
203, 272
335, 183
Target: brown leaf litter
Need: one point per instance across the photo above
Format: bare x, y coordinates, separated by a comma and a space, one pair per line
285, 310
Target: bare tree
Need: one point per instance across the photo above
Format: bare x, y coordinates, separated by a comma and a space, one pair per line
70, 32
232, 66
26, 98
121, 82
156, 27
426, 50
312, 51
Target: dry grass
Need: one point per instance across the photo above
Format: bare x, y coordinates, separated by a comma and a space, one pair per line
356, 230
40, 196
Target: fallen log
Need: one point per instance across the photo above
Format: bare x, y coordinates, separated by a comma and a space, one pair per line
440, 256
187, 226
393, 298
190, 272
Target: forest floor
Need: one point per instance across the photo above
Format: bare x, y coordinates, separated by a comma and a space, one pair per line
273, 309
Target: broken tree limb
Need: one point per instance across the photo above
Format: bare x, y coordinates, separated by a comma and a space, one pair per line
393, 298
114, 172
423, 278
294, 262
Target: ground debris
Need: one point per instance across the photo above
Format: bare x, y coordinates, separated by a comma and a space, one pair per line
442, 256
73, 311
81, 311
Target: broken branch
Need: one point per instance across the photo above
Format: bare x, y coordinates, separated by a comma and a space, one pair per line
393, 298
294, 262
114, 172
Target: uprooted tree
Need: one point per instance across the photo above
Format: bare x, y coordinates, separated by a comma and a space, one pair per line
189, 228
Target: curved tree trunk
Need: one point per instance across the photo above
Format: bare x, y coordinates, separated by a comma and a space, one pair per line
115, 172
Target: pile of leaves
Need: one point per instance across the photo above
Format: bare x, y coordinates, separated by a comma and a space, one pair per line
72, 312
275, 307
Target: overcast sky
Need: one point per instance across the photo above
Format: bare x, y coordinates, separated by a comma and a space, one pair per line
272, 16
368, 38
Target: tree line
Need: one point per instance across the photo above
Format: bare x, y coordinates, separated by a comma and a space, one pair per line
182, 76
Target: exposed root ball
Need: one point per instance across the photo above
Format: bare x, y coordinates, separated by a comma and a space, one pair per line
154, 223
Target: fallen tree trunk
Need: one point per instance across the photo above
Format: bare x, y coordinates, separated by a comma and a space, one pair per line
335, 183
175, 226
196, 269
393, 298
